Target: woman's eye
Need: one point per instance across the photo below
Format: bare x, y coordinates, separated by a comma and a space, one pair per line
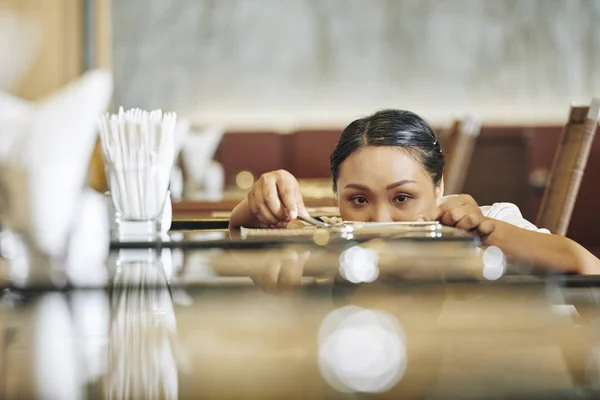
401, 198
359, 200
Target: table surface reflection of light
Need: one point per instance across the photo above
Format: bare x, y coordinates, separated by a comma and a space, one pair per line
300, 321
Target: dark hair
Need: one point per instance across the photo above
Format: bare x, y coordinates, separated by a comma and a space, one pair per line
398, 128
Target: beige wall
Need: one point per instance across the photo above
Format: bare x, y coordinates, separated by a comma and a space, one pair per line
102, 34
59, 56
102, 59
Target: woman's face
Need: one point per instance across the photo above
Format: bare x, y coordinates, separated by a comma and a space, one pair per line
385, 184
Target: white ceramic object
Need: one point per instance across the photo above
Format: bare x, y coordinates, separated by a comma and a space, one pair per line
182, 131
214, 181
176, 184
197, 153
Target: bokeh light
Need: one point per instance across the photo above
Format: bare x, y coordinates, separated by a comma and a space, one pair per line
358, 264
361, 350
244, 180
321, 237
494, 263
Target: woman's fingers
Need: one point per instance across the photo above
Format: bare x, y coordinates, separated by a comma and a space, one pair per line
300, 201
274, 198
281, 272
259, 208
452, 216
487, 227
286, 189
442, 209
470, 221
292, 268
461, 212
271, 199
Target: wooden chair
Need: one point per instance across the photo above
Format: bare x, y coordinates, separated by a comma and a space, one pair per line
568, 167
460, 144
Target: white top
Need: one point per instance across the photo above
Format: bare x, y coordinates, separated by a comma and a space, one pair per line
510, 213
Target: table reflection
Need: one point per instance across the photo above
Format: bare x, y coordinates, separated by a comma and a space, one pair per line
375, 319
295, 264
142, 333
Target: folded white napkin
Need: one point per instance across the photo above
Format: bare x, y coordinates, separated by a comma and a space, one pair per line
44, 168
13, 114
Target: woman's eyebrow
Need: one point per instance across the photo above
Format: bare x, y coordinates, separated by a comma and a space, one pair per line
356, 186
399, 183
388, 187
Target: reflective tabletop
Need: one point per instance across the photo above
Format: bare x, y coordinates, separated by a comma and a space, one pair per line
372, 318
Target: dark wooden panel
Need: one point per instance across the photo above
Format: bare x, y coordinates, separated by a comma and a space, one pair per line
310, 153
544, 142
257, 152
586, 215
500, 167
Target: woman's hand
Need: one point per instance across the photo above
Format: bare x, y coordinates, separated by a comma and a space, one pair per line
281, 272
462, 212
275, 199
547, 252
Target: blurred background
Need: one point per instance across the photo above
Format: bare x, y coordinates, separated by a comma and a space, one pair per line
281, 79
298, 63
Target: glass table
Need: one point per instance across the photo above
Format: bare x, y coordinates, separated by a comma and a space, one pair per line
208, 316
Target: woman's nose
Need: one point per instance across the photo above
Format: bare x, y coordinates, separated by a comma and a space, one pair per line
382, 214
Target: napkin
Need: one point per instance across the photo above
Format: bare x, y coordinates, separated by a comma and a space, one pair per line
13, 112
43, 171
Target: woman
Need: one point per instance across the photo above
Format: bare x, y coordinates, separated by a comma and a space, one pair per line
389, 167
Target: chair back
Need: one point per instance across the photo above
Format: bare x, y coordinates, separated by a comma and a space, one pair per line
459, 151
568, 167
